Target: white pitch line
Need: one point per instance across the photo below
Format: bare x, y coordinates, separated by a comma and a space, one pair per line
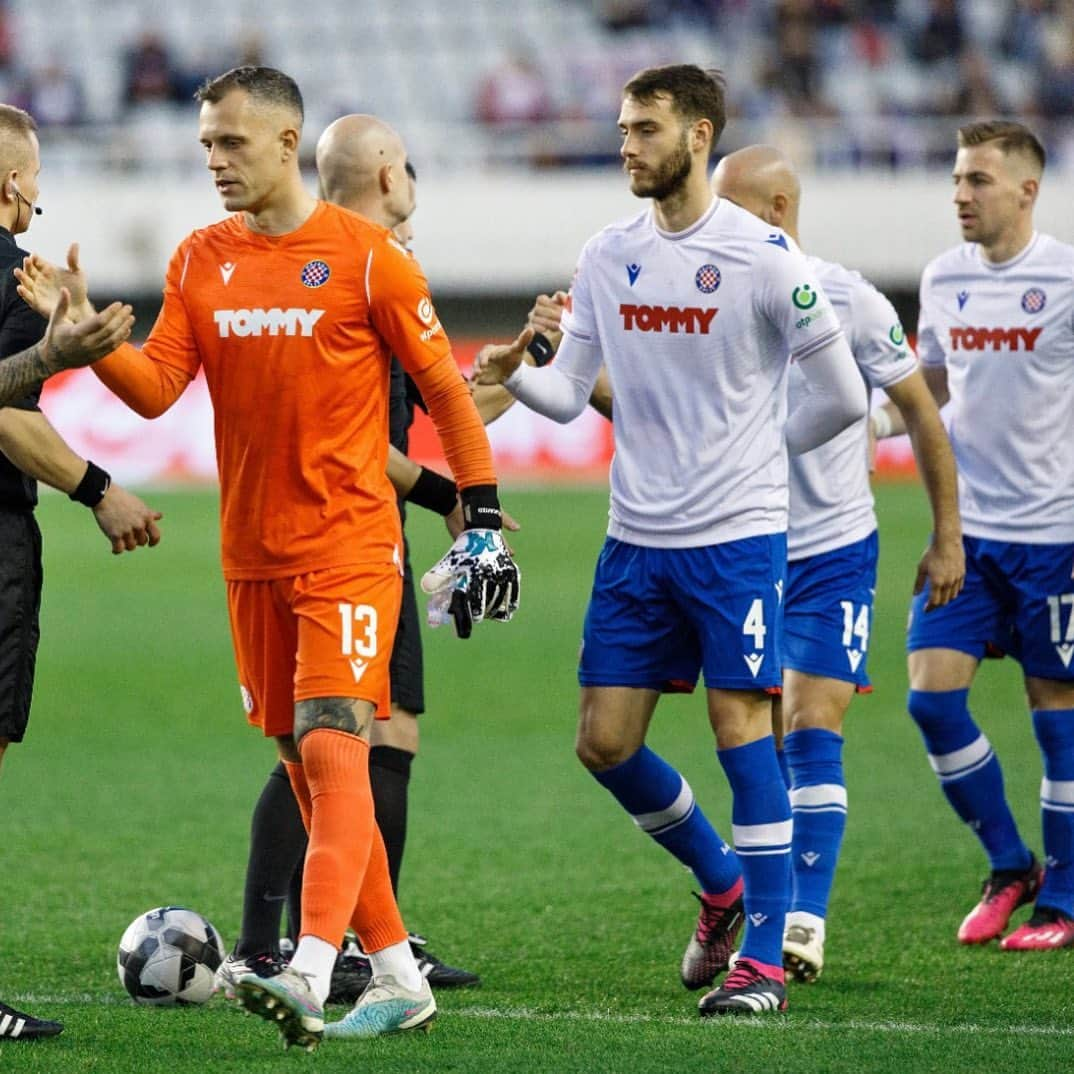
791, 1024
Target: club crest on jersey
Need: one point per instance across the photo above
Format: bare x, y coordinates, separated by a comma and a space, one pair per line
633, 272
315, 274
1033, 300
963, 297
804, 297
707, 279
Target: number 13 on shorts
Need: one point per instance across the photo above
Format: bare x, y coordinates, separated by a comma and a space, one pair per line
358, 631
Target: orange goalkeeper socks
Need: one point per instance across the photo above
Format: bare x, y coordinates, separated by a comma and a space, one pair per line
336, 769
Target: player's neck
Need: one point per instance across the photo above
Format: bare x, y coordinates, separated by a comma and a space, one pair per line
686, 206
282, 215
1009, 245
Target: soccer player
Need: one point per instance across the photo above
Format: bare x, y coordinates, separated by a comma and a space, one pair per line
996, 339
695, 307
31, 450
832, 554
352, 157
292, 306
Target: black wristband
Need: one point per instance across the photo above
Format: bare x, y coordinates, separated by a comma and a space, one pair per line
434, 492
481, 508
541, 349
94, 484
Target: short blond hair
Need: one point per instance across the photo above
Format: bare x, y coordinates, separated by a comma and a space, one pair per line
1010, 136
16, 126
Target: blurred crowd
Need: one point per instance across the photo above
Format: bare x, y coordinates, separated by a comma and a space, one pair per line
856, 81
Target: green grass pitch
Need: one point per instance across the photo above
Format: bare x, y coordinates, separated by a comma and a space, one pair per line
135, 787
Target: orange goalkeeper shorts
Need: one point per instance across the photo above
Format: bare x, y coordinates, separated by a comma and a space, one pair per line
328, 633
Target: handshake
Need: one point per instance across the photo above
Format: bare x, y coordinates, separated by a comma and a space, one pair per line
477, 579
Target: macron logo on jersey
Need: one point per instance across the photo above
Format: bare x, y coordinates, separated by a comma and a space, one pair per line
692, 319
979, 339
275, 322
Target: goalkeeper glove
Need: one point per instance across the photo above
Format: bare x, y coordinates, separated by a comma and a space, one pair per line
477, 578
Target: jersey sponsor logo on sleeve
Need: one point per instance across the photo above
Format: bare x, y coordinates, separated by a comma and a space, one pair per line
1033, 300
804, 297
674, 319
633, 272
980, 339
896, 334
427, 315
227, 269
963, 297
707, 279
274, 322
315, 273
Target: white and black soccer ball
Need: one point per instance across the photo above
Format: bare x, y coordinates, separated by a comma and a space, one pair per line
169, 955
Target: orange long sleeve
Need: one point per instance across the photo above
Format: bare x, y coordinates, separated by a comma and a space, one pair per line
466, 444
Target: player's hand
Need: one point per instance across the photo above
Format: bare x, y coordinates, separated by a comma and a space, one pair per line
477, 579
495, 362
67, 346
126, 521
546, 314
40, 283
944, 567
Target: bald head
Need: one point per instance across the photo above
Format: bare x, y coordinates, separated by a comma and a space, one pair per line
361, 163
763, 181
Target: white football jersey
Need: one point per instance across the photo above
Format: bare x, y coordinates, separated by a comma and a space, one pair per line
831, 498
697, 329
1006, 335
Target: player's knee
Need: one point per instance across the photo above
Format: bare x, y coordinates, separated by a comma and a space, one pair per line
933, 708
350, 715
601, 752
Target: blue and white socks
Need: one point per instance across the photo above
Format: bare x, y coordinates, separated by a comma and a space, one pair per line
1054, 729
819, 808
969, 774
661, 804
761, 823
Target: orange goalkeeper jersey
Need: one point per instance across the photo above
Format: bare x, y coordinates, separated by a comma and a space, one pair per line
295, 334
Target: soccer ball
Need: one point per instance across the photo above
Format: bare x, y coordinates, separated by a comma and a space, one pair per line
169, 955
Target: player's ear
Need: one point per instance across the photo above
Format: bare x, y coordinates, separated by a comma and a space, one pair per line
386, 178
289, 139
701, 135
777, 209
1030, 189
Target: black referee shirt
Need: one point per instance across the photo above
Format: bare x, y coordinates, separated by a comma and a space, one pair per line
20, 327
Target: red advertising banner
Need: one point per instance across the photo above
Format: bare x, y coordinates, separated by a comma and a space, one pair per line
177, 448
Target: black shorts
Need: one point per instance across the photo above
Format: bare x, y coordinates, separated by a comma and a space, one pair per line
20, 605
406, 669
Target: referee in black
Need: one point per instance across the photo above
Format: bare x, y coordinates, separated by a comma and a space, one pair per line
30, 350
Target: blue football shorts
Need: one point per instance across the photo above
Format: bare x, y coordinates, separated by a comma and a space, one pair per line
1018, 599
828, 612
659, 616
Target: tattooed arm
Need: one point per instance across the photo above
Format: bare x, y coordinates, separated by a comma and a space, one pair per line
64, 346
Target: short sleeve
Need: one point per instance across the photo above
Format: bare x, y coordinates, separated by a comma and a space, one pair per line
791, 297
20, 327
877, 338
401, 308
579, 320
929, 349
